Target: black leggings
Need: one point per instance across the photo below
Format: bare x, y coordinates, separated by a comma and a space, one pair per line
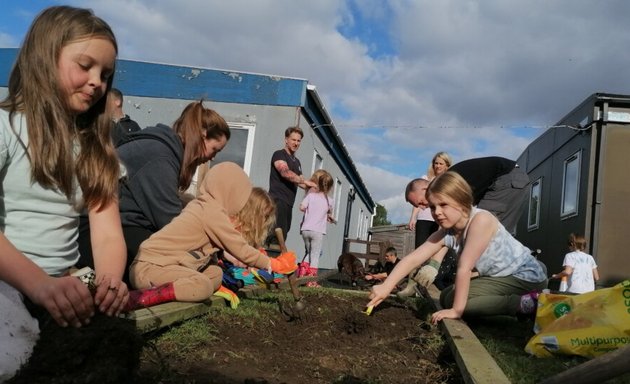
446, 273
284, 213
424, 229
134, 236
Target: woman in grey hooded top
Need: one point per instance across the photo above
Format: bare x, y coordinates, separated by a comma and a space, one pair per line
159, 164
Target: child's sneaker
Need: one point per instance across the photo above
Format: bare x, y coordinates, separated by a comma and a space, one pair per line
528, 303
313, 284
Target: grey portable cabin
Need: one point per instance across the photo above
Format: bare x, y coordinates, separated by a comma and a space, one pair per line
258, 109
579, 174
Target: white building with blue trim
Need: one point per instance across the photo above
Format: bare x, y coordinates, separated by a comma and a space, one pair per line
258, 109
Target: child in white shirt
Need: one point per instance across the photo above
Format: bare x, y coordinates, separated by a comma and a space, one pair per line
579, 267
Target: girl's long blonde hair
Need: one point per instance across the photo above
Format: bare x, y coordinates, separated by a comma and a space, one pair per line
257, 217
452, 185
440, 155
324, 181
52, 130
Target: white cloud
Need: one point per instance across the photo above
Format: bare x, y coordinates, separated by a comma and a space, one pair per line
387, 189
458, 72
7, 40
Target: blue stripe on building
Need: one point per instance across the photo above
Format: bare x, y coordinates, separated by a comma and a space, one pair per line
192, 83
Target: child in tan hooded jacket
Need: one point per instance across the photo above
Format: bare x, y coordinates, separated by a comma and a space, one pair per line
229, 214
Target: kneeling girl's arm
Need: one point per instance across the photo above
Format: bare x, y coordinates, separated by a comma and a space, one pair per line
434, 243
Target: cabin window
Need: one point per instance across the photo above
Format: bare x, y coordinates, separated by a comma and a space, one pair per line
367, 226
361, 224
337, 196
533, 216
318, 161
364, 228
571, 186
239, 148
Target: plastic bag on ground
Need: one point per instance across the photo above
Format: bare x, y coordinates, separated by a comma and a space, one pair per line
589, 324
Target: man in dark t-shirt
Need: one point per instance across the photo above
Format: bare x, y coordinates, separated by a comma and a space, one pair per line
391, 259
285, 177
498, 185
123, 124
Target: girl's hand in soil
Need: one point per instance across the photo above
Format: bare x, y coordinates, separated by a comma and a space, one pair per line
67, 299
111, 295
378, 294
444, 314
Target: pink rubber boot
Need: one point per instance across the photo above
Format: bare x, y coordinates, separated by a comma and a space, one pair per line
303, 269
142, 298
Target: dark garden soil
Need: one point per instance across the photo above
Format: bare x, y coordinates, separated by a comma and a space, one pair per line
332, 341
106, 351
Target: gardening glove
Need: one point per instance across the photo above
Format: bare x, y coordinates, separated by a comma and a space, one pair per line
426, 275
229, 296
285, 264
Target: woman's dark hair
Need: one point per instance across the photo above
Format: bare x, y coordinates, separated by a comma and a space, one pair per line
195, 124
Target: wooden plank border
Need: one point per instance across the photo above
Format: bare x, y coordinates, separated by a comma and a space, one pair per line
475, 363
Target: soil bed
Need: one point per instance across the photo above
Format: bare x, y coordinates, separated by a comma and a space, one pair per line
331, 342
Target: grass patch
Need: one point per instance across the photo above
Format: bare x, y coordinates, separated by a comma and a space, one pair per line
505, 338
179, 341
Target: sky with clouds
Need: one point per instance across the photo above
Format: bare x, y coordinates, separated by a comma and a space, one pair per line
401, 79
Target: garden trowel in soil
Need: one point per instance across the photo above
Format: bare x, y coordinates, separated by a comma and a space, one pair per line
299, 301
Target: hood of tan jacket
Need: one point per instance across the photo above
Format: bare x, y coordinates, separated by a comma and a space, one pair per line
228, 185
204, 226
